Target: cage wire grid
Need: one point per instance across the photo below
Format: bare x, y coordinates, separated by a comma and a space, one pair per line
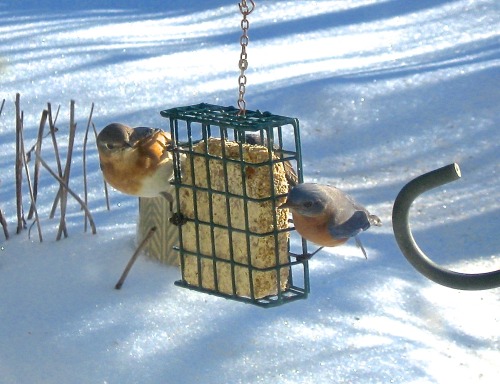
191, 128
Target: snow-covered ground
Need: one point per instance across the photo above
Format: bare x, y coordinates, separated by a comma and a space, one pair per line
384, 90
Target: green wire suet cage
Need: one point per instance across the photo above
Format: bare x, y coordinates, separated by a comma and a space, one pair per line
231, 175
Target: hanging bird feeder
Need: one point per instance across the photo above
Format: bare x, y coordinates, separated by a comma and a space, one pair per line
232, 170
233, 239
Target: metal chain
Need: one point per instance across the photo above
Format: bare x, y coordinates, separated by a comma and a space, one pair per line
243, 63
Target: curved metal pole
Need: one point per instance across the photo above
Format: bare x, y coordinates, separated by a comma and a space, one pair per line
409, 247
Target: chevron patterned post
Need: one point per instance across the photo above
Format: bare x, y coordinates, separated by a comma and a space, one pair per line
156, 212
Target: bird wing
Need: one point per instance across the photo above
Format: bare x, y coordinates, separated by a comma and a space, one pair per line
351, 227
147, 139
142, 134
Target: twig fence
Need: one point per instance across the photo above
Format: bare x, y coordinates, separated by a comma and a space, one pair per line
23, 174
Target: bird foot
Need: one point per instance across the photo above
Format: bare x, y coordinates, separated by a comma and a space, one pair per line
178, 219
168, 196
307, 256
303, 257
358, 243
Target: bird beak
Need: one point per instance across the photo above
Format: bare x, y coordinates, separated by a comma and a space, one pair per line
284, 205
128, 144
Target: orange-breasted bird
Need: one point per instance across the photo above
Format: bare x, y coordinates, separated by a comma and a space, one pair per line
327, 216
136, 161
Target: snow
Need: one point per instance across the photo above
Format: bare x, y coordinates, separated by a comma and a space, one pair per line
384, 90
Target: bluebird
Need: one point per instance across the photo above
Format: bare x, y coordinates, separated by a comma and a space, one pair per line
327, 216
137, 161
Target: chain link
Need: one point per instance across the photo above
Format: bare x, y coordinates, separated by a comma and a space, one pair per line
245, 10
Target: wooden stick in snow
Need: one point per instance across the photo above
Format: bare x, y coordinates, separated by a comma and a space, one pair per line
37, 147
77, 198
63, 192
53, 130
106, 194
4, 226
21, 223
85, 191
3, 222
28, 179
134, 257
2, 218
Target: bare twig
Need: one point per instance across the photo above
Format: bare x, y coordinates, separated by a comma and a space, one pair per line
106, 194
33, 147
77, 198
37, 147
28, 179
67, 168
56, 116
3, 222
53, 131
4, 225
2, 218
21, 224
85, 191
134, 257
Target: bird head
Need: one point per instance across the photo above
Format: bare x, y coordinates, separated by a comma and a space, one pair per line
306, 199
114, 138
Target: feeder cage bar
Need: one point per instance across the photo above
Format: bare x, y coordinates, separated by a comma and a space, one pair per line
230, 176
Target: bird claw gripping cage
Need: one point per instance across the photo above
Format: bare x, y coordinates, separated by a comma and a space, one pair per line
230, 176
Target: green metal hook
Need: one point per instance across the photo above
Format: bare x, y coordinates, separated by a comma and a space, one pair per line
409, 247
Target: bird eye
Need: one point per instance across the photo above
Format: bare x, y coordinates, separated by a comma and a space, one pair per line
308, 204
110, 146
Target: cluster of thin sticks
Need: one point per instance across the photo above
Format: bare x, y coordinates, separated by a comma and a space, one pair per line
62, 174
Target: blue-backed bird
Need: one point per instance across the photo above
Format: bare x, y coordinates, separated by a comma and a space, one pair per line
327, 216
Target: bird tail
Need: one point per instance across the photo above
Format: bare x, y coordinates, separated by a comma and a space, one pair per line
374, 220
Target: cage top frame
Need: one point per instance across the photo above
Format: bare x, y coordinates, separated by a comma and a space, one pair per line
227, 117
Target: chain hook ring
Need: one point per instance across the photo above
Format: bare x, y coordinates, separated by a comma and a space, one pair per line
245, 10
